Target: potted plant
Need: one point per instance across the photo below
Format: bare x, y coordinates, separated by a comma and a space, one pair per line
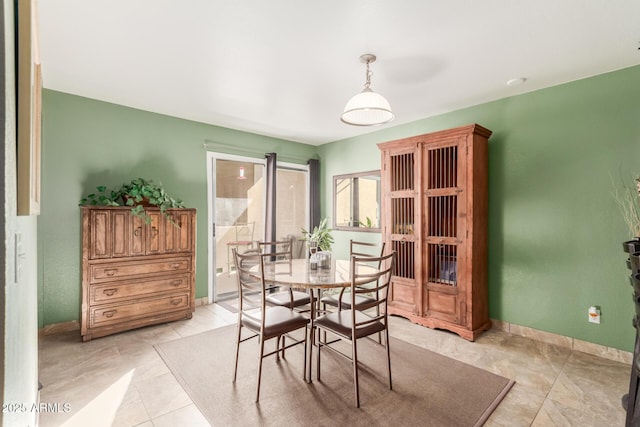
137, 193
367, 224
628, 199
321, 234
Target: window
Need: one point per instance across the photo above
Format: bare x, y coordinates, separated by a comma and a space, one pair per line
356, 201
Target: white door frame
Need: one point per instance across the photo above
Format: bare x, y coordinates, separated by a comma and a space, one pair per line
211, 209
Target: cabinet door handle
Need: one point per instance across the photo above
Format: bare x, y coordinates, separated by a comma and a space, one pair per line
176, 301
176, 282
154, 231
110, 313
175, 265
110, 272
137, 232
110, 292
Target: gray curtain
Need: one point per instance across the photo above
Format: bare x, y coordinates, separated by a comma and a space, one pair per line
270, 226
314, 193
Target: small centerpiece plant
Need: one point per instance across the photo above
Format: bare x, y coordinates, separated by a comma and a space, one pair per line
137, 193
321, 234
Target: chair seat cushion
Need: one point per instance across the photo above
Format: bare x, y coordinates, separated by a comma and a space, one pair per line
362, 301
278, 321
340, 323
283, 298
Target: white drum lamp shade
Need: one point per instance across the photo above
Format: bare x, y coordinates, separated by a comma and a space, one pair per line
367, 108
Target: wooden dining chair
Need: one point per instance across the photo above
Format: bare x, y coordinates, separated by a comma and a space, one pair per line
343, 300
243, 237
361, 321
280, 252
263, 321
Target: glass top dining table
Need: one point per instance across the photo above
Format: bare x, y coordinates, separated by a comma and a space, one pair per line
298, 274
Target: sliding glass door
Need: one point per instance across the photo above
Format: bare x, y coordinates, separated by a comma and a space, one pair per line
237, 191
292, 204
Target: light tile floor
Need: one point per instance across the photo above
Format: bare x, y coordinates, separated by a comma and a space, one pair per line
120, 380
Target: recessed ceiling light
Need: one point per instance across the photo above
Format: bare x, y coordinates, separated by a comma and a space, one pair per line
517, 81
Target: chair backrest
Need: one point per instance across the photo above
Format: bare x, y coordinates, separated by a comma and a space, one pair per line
365, 249
369, 280
250, 288
244, 231
280, 251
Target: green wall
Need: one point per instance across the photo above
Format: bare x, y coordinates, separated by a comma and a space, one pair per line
555, 231
88, 143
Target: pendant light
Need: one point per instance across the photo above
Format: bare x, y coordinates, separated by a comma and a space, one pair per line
367, 108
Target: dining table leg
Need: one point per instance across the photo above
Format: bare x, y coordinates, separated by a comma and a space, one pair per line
312, 335
313, 312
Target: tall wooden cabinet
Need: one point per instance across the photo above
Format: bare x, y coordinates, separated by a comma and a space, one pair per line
133, 273
434, 215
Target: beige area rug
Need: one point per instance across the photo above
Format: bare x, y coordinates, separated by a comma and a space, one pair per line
428, 389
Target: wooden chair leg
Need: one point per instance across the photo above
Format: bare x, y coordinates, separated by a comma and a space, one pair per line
386, 338
304, 364
284, 344
318, 357
354, 355
324, 333
378, 314
235, 362
260, 369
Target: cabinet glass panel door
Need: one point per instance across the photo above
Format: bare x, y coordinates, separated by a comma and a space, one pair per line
403, 229
403, 215
442, 211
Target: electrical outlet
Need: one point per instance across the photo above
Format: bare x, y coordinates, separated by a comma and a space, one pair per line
594, 314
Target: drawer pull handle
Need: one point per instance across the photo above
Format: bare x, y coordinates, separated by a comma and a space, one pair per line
176, 282
110, 292
154, 231
110, 313
138, 232
110, 272
176, 301
175, 265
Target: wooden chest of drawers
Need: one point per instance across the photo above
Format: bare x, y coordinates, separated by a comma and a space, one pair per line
136, 274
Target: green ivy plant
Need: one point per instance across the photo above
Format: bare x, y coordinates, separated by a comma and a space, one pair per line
101, 198
137, 193
321, 234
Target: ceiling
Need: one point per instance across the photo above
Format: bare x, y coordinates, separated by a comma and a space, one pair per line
286, 68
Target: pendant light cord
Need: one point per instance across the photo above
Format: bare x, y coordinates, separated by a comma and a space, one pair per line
368, 81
